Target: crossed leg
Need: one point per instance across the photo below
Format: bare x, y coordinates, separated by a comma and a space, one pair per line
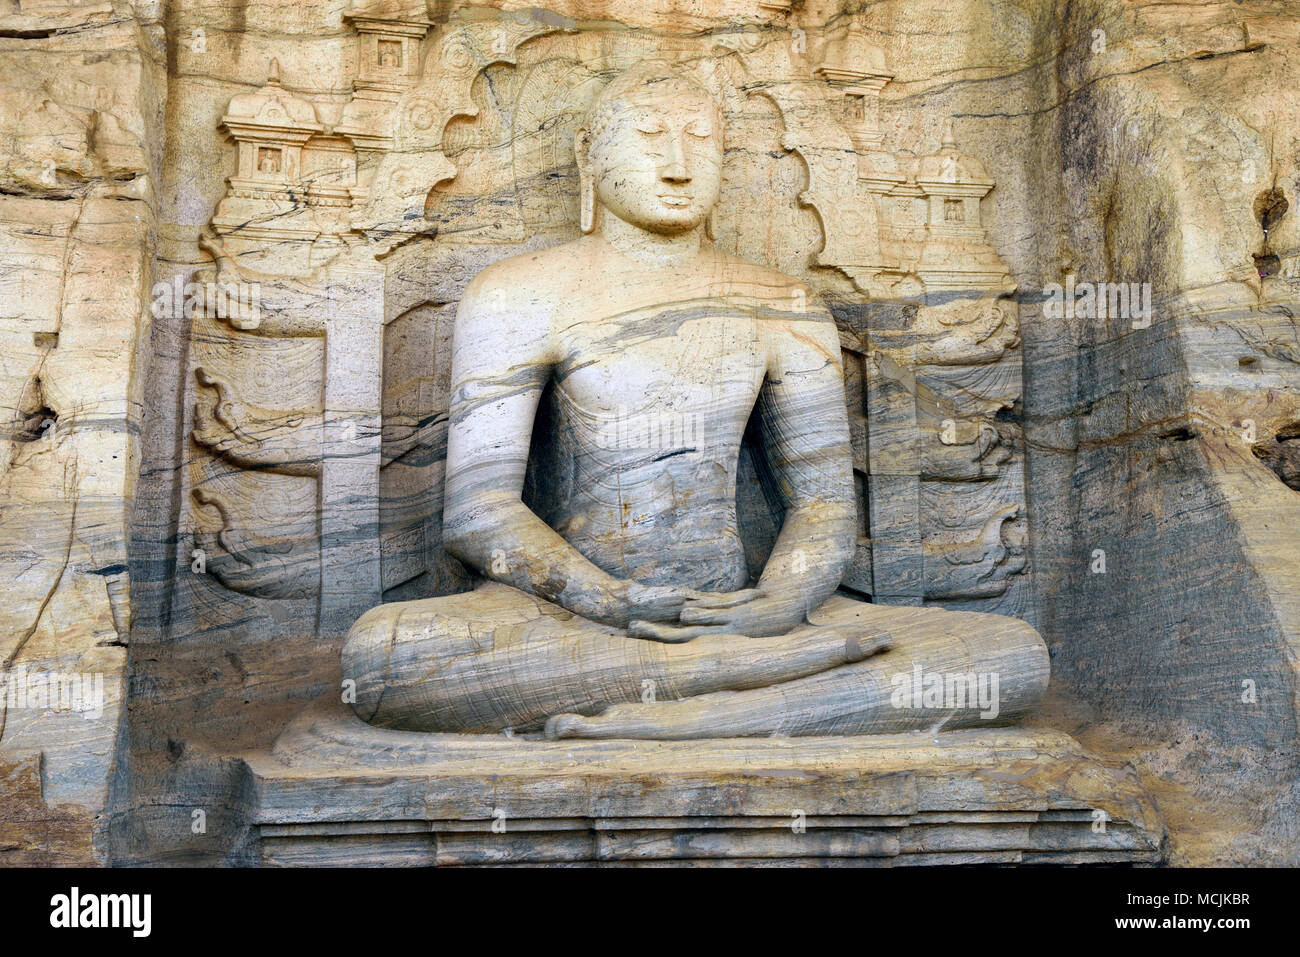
945, 669
497, 658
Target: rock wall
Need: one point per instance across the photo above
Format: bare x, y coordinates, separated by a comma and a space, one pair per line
80, 111
1176, 131
1152, 457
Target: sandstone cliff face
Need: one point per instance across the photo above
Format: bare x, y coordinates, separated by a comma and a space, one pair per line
1152, 143
77, 166
1177, 144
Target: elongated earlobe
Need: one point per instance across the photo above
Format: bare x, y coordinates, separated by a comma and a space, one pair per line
587, 203
711, 225
586, 184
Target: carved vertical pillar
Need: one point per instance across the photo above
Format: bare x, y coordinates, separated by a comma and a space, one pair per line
894, 471
349, 485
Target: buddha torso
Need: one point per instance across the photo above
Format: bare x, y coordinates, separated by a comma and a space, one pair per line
641, 427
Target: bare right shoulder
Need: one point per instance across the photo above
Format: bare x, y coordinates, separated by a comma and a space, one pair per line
539, 276
507, 311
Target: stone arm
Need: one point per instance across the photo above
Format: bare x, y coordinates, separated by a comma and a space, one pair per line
502, 358
805, 432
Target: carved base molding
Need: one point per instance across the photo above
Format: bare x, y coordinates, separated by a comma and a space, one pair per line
335, 791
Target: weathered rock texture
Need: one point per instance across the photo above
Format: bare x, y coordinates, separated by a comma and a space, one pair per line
1174, 151
79, 153
1003, 796
199, 497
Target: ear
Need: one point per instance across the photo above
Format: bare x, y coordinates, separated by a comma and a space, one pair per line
582, 149
586, 188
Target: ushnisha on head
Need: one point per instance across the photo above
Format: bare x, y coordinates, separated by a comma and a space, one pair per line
650, 151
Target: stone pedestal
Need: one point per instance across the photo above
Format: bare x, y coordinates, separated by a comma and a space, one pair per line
336, 791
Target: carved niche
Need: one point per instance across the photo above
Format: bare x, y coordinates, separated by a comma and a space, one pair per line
318, 415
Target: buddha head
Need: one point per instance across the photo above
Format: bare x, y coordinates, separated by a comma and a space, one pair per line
650, 151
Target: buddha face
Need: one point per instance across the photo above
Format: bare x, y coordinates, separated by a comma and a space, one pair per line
656, 160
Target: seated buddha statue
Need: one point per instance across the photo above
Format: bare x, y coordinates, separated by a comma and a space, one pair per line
615, 599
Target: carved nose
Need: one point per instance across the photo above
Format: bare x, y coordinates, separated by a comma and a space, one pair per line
675, 172
674, 168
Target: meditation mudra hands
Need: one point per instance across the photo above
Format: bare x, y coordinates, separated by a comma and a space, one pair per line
671, 614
